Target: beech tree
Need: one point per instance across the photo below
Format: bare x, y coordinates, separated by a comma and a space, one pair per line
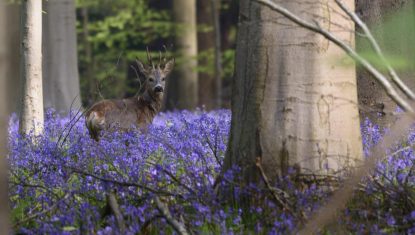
31, 114
60, 63
183, 84
293, 103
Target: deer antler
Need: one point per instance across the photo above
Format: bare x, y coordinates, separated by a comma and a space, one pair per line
159, 58
150, 60
165, 54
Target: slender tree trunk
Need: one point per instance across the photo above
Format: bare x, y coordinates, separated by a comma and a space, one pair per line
61, 78
206, 45
378, 14
183, 84
89, 91
31, 117
218, 54
293, 104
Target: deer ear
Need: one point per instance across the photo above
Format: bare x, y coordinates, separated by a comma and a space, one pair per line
169, 66
141, 67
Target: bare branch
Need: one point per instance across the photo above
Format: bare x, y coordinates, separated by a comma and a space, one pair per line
41, 213
392, 73
390, 90
115, 208
164, 210
276, 197
124, 183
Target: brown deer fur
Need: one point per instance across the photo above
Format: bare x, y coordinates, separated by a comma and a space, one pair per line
137, 111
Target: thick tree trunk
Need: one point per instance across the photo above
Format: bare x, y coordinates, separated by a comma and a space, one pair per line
396, 40
31, 116
61, 79
183, 84
293, 104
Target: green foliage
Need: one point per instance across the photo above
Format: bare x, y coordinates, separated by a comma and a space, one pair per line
119, 31
395, 35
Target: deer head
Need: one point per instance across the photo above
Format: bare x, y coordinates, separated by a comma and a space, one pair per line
155, 74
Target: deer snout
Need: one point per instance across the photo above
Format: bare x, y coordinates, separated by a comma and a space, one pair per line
158, 88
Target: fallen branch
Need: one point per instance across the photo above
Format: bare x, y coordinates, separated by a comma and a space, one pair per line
284, 205
115, 209
164, 210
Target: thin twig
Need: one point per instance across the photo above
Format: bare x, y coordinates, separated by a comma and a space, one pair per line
124, 183
277, 199
41, 213
392, 73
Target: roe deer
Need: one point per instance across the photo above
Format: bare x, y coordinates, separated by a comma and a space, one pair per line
137, 111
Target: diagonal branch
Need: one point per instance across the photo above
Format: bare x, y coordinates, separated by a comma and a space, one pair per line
164, 210
392, 73
276, 197
390, 90
115, 208
339, 199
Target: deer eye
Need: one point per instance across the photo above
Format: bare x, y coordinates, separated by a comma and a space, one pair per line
163, 79
151, 79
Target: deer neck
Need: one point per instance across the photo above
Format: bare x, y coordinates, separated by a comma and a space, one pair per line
152, 101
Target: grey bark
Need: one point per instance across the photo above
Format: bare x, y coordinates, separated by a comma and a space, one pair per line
31, 115
60, 65
9, 77
183, 85
373, 101
293, 104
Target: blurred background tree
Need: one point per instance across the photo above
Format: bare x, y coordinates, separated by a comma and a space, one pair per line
392, 23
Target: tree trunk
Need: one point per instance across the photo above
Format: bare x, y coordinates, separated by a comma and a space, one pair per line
183, 84
208, 39
9, 78
218, 54
90, 83
31, 116
394, 40
293, 104
206, 44
61, 78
